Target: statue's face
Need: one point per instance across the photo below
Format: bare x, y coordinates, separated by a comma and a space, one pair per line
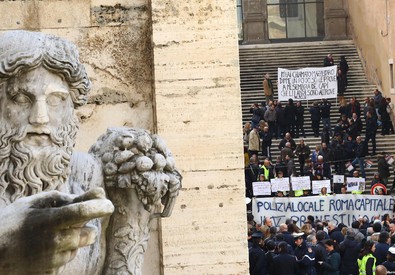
38, 100
38, 129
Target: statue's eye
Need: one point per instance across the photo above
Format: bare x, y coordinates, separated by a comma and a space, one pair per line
22, 99
54, 100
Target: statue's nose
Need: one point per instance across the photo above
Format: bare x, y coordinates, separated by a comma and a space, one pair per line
39, 112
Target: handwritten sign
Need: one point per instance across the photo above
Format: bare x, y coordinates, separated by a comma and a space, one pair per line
261, 188
318, 184
281, 184
307, 83
301, 183
338, 178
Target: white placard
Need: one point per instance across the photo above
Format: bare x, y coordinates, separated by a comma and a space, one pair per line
338, 178
349, 167
280, 184
301, 183
355, 184
307, 83
318, 184
261, 188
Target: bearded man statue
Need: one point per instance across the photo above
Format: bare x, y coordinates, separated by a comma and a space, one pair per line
56, 204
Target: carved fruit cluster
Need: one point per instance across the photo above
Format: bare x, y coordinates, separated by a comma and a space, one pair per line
132, 158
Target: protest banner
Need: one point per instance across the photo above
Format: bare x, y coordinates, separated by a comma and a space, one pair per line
301, 183
261, 188
318, 184
307, 83
355, 184
336, 208
281, 184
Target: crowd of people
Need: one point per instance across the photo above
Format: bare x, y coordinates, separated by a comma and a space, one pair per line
321, 247
343, 147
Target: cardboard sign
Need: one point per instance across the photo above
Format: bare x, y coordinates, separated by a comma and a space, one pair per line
281, 184
301, 183
261, 188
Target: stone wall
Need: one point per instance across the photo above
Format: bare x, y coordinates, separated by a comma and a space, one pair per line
170, 67
197, 77
374, 37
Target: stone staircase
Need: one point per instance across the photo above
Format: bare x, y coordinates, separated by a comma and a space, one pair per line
256, 60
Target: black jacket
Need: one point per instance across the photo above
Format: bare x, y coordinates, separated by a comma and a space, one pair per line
349, 250
285, 264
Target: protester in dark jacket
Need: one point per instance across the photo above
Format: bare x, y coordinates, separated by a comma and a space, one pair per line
390, 262
290, 116
320, 252
384, 117
332, 264
382, 247
305, 256
335, 233
315, 118
371, 129
349, 250
284, 263
257, 257
281, 121
383, 168
300, 119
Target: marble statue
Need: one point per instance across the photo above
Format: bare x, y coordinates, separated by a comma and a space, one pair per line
64, 212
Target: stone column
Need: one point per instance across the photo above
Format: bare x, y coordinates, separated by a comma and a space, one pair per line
198, 112
335, 20
255, 21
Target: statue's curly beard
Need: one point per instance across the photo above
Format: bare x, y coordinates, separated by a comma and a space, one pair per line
25, 170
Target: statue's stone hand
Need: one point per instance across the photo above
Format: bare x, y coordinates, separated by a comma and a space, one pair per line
40, 233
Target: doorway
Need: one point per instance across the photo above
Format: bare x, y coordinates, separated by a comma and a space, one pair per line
295, 20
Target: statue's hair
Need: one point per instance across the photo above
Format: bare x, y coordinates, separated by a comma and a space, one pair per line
22, 51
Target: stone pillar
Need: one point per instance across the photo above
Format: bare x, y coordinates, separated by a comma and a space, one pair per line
335, 20
197, 103
255, 21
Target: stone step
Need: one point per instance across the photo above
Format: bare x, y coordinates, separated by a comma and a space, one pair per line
256, 60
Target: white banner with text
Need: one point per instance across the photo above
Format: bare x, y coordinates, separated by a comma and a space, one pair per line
336, 208
307, 83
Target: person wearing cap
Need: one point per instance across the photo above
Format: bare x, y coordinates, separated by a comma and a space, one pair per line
389, 264
335, 233
349, 250
382, 247
305, 255
366, 260
256, 255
